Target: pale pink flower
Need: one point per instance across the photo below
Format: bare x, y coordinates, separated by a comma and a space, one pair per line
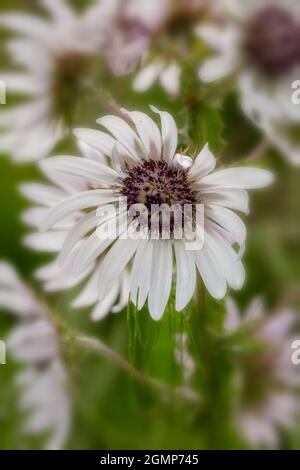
257, 44
266, 378
34, 343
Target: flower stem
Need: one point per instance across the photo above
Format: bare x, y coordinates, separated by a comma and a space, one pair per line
105, 351
259, 151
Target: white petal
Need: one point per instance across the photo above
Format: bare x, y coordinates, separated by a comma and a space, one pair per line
89, 294
218, 68
115, 262
50, 242
186, 275
170, 79
14, 302
161, 278
91, 249
84, 200
210, 273
229, 221
236, 199
169, 134
103, 307
95, 172
87, 223
204, 164
95, 245
42, 194
22, 83
34, 216
147, 76
28, 24
90, 153
100, 141
148, 132
123, 133
227, 260
141, 274
240, 178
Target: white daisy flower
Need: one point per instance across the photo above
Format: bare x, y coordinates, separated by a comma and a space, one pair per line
148, 170
259, 42
54, 55
266, 378
57, 276
34, 343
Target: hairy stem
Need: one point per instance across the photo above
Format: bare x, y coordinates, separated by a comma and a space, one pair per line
105, 351
260, 150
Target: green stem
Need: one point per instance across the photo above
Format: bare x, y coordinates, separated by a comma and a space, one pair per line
105, 351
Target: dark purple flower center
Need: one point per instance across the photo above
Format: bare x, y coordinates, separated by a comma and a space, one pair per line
273, 41
155, 183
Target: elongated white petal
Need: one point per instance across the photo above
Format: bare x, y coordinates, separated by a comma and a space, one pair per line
86, 224
204, 164
50, 242
240, 178
186, 275
147, 76
22, 52
227, 260
15, 303
22, 83
77, 202
161, 278
170, 79
148, 132
217, 68
95, 172
168, 133
90, 153
91, 249
8, 276
114, 225
210, 273
27, 24
141, 274
236, 199
103, 307
34, 216
115, 262
89, 294
229, 221
123, 133
42, 194
100, 141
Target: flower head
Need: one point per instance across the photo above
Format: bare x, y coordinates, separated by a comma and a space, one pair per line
258, 42
147, 172
34, 343
54, 55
